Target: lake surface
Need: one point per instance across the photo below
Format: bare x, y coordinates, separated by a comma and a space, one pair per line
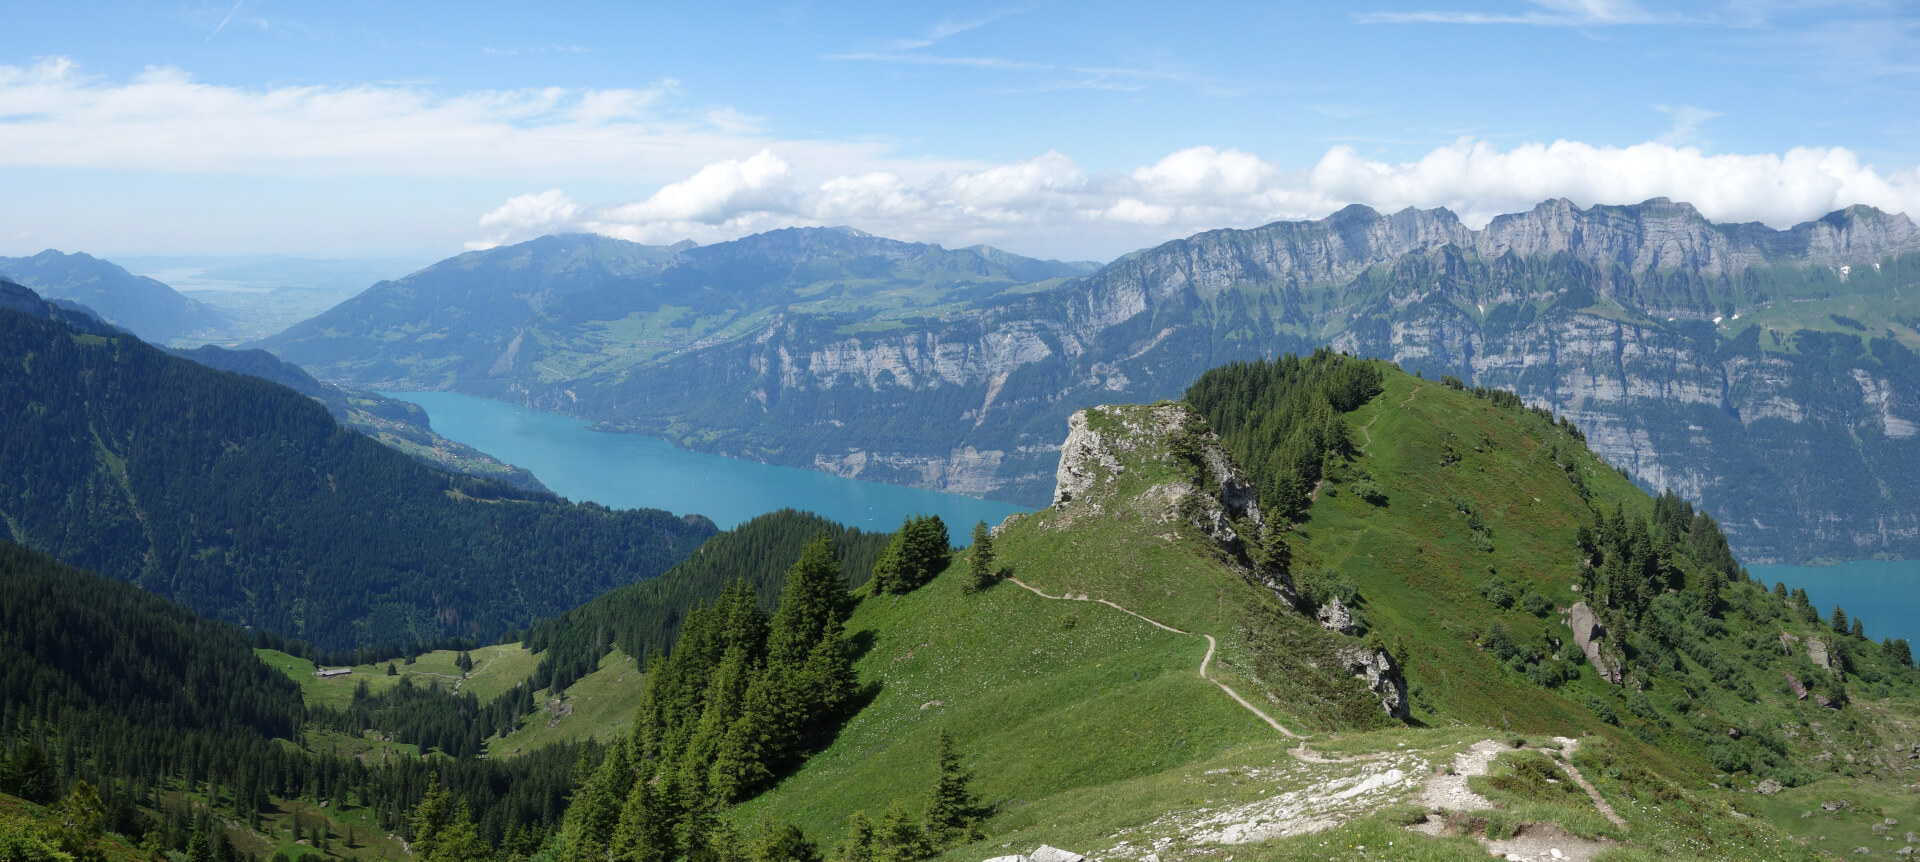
1883, 594
628, 471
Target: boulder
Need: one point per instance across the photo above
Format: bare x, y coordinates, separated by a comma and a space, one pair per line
1014, 858
1382, 675
1049, 853
1587, 634
1335, 617
1817, 653
1768, 787
1799, 688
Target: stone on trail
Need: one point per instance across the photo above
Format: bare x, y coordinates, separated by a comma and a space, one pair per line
1049, 853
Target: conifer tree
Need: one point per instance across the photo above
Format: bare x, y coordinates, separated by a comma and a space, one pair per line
815, 596
858, 845
899, 837
980, 571
1859, 629
458, 841
886, 568
429, 819
785, 843
953, 814
645, 831
1839, 621
590, 820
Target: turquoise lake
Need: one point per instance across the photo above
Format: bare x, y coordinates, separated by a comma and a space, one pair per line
627, 471
1883, 594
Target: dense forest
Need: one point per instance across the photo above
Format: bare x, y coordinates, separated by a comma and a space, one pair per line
1281, 420
246, 502
646, 617
104, 684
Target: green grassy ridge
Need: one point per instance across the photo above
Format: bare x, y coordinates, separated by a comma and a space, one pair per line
597, 706
1055, 703
496, 670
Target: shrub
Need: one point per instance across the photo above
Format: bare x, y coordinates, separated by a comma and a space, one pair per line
1536, 604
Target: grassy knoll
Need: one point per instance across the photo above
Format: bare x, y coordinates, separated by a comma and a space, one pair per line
598, 706
496, 669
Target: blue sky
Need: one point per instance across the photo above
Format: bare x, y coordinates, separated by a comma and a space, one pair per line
1056, 129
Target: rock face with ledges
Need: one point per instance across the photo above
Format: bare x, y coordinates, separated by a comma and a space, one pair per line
1620, 317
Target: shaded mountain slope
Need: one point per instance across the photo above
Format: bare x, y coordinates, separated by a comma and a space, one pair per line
244, 500
399, 424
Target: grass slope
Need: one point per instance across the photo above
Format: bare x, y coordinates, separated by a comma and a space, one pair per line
496, 669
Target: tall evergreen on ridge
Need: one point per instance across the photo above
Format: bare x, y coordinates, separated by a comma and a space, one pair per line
741, 699
918, 551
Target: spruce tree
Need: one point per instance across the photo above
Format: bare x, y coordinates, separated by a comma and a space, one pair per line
785, 843
814, 597
595, 812
980, 571
645, 831
1859, 629
953, 814
458, 841
886, 568
858, 845
429, 819
900, 838
1839, 621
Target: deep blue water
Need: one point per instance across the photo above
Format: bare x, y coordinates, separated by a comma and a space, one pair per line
1883, 594
628, 471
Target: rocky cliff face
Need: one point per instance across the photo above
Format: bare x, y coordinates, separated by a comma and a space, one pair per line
1634, 320
1162, 460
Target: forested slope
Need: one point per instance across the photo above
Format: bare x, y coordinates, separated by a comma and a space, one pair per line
245, 501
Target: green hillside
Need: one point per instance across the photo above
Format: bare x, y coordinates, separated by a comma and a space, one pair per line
1456, 526
245, 501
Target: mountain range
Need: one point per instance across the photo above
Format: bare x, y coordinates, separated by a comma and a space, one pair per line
1769, 374
145, 306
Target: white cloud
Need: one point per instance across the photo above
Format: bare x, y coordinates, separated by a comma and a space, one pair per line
1687, 121
1049, 205
1549, 13
53, 115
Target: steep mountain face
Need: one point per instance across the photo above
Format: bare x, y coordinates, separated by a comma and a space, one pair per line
1769, 374
245, 501
149, 308
562, 307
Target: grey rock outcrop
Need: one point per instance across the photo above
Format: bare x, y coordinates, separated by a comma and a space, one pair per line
1335, 617
1587, 635
1049, 853
1817, 653
1137, 446
1382, 675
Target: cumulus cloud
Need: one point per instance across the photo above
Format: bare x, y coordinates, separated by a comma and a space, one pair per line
1049, 204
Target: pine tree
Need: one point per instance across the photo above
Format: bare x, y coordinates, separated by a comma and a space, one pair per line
1859, 629
595, 812
886, 568
458, 841
755, 742
899, 837
1898, 649
953, 813
391, 670
430, 818
645, 831
980, 571
785, 843
1839, 621
814, 597
858, 845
